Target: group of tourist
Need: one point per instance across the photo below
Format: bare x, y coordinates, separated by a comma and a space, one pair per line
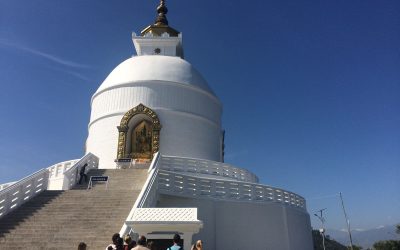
121, 244
142, 244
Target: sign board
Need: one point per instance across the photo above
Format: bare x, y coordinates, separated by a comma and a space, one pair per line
123, 160
124, 163
99, 178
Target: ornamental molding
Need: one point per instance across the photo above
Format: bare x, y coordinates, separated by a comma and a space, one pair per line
123, 129
136, 83
165, 215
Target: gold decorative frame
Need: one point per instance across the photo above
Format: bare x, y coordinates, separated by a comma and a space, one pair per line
123, 129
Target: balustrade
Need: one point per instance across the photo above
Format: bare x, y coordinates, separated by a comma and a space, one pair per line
61, 176
148, 195
3, 186
64, 175
58, 169
206, 167
15, 195
182, 185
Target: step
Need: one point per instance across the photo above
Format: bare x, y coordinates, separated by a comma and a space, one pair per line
92, 216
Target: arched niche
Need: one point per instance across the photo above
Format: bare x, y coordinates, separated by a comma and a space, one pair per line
139, 134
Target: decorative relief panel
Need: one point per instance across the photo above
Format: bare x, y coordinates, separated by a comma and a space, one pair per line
165, 214
152, 136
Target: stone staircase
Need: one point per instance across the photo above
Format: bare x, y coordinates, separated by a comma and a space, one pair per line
61, 219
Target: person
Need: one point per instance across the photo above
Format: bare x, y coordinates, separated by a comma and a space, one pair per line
82, 246
176, 240
199, 245
151, 245
120, 243
141, 244
82, 174
115, 242
129, 243
193, 247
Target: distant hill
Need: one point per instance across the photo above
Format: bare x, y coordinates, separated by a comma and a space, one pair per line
364, 238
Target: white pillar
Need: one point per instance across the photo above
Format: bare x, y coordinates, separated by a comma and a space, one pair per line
187, 240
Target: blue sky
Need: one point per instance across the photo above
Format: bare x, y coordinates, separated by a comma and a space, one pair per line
311, 89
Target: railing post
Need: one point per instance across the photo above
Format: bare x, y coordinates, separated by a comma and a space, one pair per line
7, 203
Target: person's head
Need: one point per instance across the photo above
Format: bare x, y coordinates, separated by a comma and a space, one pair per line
177, 238
85, 165
142, 241
193, 247
127, 239
82, 246
199, 244
120, 243
115, 238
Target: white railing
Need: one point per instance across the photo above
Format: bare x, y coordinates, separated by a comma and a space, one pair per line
15, 195
198, 180
61, 176
4, 185
198, 167
189, 186
64, 175
148, 195
57, 170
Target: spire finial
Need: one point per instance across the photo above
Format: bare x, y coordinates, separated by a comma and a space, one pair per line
162, 11
160, 25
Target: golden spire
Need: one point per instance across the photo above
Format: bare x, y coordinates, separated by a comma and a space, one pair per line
160, 25
162, 12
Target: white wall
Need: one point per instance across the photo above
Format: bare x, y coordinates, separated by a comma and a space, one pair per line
147, 45
161, 94
190, 120
242, 225
102, 141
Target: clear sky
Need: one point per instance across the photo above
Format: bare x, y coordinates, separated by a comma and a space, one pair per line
311, 89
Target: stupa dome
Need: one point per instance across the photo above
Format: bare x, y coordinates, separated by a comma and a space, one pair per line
155, 102
154, 68
188, 112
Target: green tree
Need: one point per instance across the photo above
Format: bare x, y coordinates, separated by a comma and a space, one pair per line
387, 245
356, 247
398, 228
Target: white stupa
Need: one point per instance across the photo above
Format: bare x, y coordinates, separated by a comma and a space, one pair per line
155, 110
187, 114
161, 101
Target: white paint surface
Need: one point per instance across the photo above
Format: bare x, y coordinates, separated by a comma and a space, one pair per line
242, 225
190, 114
